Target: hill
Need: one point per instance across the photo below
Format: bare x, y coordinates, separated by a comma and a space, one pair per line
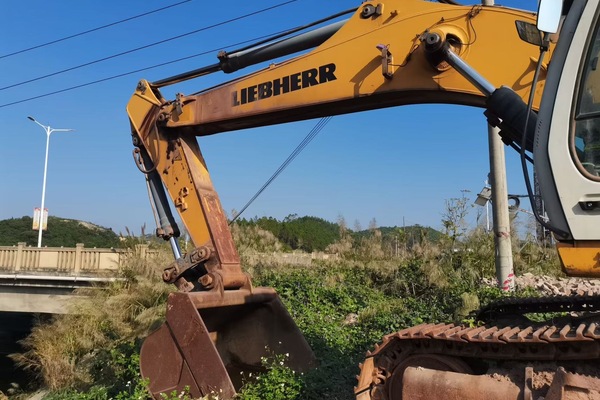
310, 233
305, 233
298, 233
61, 232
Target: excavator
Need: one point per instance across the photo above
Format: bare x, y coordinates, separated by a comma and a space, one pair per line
535, 75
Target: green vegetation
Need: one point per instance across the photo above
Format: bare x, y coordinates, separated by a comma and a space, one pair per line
298, 233
316, 234
278, 383
343, 307
61, 232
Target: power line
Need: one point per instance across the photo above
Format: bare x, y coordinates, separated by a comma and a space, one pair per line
298, 29
133, 72
311, 135
147, 46
93, 30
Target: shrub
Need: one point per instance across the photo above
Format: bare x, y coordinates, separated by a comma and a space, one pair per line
99, 341
279, 382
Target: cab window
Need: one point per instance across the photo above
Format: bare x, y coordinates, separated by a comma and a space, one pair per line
585, 143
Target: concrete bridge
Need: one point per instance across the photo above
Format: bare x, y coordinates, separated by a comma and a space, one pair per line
42, 280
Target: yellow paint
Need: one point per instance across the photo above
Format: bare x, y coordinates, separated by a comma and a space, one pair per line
490, 44
581, 258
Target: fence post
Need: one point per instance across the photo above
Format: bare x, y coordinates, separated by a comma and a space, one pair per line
141, 250
19, 260
78, 257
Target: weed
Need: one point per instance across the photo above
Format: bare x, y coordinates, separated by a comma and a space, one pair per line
279, 382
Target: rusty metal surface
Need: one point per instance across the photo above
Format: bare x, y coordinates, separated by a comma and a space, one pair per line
210, 340
214, 299
430, 384
395, 382
568, 386
528, 384
181, 353
385, 366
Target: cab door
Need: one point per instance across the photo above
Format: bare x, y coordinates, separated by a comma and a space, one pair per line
567, 146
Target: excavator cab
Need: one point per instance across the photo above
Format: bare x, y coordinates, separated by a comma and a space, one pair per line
567, 151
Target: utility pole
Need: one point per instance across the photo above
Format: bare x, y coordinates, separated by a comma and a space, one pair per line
501, 218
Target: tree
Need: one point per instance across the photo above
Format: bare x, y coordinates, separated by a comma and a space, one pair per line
453, 218
372, 224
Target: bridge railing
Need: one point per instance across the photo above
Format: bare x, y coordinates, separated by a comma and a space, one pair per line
76, 261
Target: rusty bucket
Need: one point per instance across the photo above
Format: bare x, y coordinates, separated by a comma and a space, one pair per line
210, 339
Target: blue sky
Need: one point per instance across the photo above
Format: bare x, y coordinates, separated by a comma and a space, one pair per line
395, 165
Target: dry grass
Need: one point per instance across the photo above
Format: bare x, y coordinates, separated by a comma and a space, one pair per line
253, 239
61, 352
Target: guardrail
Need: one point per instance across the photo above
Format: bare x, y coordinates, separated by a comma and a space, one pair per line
71, 261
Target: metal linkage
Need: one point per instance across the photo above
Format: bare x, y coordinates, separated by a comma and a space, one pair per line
439, 50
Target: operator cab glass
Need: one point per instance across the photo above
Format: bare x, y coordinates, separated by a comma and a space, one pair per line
585, 143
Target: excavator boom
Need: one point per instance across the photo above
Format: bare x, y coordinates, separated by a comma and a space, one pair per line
375, 60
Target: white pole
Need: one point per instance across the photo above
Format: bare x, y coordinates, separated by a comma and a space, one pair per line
48, 131
487, 216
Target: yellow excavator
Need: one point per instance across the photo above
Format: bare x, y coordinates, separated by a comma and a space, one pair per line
537, 77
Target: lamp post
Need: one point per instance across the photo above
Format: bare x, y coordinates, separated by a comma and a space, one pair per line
48, 131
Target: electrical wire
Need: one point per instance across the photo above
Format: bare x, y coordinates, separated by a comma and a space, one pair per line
147, 46
92, 30
254, 42
131, 72
297, 29
311, 135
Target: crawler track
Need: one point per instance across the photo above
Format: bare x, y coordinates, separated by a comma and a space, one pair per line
465, 349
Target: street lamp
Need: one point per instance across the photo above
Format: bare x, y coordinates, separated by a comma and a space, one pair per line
48, 131
483, 199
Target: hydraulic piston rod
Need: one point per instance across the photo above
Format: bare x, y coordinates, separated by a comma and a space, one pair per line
166, 226
439, 49
505, 108
241, 59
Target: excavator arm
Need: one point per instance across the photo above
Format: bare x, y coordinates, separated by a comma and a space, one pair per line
386, 54
377, 59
